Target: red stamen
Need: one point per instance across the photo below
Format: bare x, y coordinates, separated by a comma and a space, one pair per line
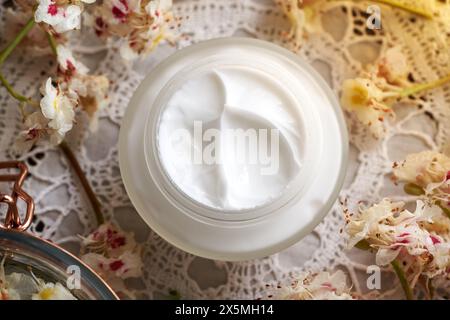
52, 10
118, 13
435, 240
116, 265
118, 242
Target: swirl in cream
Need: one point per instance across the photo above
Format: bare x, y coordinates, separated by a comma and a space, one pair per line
231, 138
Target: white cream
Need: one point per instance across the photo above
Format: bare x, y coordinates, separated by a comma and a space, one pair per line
225, 99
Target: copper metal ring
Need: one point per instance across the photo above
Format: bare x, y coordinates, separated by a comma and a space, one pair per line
12, 219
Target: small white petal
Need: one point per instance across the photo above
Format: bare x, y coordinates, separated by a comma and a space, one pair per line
49, 101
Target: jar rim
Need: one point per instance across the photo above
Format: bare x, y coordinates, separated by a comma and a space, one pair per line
190, 205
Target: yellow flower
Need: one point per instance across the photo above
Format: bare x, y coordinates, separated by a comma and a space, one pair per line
58, 108
364, 98
51, 291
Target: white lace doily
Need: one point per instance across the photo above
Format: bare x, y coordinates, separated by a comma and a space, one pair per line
338, 53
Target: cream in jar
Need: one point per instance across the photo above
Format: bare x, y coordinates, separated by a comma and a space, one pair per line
233, 149
231, 138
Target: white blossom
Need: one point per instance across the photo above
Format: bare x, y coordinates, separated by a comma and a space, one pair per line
114, 255
319, 286
140, 25
421, 237
61, 17
58, 108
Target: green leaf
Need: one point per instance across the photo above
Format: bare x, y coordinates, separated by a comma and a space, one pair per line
403, 281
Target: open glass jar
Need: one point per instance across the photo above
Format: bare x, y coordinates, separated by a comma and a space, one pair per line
208, 226
34, 261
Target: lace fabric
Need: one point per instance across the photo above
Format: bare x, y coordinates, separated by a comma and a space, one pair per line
338, 52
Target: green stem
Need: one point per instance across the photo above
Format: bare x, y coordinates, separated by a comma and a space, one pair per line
424, 86
403, 281
15, 42
52, 43
14, 93
84, 182
6, 53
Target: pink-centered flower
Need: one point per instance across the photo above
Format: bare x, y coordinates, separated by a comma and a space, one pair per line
127, 265
91, 90
140, 25
51, 122
61, 15
109, 240
114, 254
421, 238
57, 107
67, 63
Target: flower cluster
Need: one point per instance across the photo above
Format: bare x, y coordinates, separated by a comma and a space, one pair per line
21, 286
420, 239
56, 114
114, 255
141, 24
369, 97
428, 174
91, 90
53, 120
318, 286
60, 15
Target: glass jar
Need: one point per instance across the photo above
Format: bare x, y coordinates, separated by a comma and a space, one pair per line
223, 234
29, 255
25, 252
